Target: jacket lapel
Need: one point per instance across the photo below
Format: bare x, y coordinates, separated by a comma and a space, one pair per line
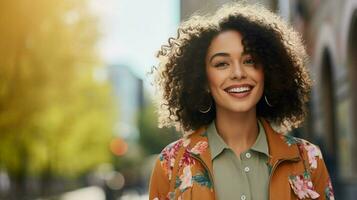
199, 149
281, 147
198, 138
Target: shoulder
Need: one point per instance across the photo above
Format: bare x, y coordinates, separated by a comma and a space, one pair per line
163, 169
315, 167
189, 142
171, 150
310, 152
195, 143
168, 156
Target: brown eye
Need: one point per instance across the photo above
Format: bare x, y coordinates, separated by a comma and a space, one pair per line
249, 61
221, 64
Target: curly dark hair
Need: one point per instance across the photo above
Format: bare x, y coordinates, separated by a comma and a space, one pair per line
181, 78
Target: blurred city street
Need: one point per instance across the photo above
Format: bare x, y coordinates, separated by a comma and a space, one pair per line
96, 193
77, 106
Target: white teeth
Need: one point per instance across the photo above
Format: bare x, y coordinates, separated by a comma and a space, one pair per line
239, 89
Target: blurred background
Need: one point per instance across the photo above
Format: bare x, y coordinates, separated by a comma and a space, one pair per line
77, 118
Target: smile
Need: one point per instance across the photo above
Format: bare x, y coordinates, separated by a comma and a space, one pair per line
239, 91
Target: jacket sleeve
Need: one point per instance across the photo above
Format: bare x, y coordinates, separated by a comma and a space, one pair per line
159, 183
322, 181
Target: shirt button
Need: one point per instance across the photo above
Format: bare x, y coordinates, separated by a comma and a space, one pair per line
248, 155
246, 169
243, 197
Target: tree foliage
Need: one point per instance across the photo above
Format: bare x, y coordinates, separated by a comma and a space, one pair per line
152, 138
54, 117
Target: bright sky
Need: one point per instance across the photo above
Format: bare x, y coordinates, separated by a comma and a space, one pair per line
133, 30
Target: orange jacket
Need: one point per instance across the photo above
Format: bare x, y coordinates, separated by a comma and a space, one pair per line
184, 169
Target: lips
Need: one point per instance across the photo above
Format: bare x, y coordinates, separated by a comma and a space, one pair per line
239, 91
239, 88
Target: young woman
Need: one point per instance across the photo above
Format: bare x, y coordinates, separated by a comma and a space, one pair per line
224, 81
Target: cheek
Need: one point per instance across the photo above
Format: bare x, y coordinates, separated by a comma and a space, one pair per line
260, 81
259, 76
212, 79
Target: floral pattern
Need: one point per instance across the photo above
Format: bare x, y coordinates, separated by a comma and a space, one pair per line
200, 178
177, 182
329, 191
170, 196
167, 157
203, 179
186, 178
196, 152
186, 141
199, 148
313, 153
204, 134
186, 159
302, 186
290, 140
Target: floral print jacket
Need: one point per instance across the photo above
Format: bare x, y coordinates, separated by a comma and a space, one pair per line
183, 170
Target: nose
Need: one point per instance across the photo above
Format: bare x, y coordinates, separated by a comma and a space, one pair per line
238, 71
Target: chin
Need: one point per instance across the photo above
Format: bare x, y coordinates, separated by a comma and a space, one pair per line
245, 105
243, 110
240, 108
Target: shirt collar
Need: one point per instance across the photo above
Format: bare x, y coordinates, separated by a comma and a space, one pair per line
217, 144
215, 141
261, 143
280, 146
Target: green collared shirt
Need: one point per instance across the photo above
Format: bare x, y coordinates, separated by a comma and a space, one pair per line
245, 177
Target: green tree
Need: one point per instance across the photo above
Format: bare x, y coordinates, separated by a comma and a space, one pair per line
55, 119
152, 138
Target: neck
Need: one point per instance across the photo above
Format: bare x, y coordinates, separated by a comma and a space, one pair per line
238, 130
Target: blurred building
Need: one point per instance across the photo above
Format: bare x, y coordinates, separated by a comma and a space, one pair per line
128, 90
329, 28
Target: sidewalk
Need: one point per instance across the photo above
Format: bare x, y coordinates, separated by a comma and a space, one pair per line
97, 193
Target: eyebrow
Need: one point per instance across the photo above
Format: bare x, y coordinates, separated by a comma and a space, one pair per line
224, 55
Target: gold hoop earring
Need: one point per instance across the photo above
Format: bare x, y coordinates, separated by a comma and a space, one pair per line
267, 102
209, 107
207, 110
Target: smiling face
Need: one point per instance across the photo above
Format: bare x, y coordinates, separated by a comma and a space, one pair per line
235, 80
